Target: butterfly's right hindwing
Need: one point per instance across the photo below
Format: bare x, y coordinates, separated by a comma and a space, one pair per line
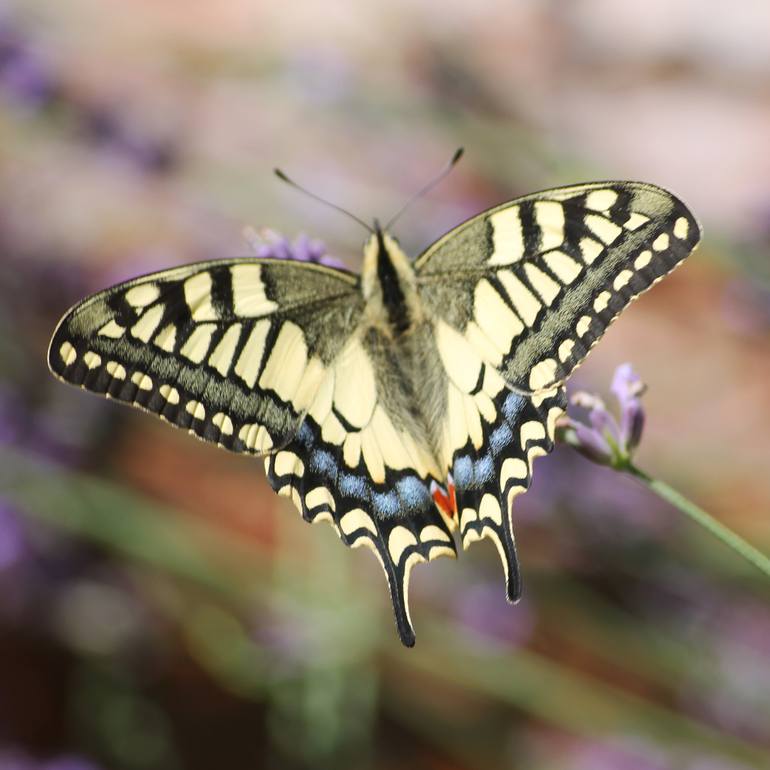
231, 350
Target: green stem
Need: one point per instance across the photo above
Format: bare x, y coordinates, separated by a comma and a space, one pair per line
706, 520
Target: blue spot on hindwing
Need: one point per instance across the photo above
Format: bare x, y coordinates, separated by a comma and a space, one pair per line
324, 463
305, 435
500, 439
353, 486
483, 471
462, 471
385, 504
414, 493
512, 405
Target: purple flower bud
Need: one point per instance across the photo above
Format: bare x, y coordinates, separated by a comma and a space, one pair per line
628, 388
602, 420
605, 440
586, 440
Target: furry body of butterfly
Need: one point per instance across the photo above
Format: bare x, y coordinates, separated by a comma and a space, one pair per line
405, 405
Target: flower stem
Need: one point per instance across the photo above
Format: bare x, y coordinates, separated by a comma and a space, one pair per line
706, 520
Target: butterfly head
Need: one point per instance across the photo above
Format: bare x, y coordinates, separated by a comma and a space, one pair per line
388, 280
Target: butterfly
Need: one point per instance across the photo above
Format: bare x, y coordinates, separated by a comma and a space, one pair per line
405, 405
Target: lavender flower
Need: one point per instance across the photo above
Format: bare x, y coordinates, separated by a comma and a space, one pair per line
609, 443
12, 539
268, 243
608, 440
628, 389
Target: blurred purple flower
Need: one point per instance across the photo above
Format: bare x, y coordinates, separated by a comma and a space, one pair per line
23, 75
269, 244
49, 426
104, 129
12, 539
29, 80
14, 760
636, 754
732, 686
714, 763
606, 440
36, 413
618, 755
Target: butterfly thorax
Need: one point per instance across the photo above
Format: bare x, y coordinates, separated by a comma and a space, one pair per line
388, 285
399, 336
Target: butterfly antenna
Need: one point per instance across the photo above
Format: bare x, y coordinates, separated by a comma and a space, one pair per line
428, 187
292, 183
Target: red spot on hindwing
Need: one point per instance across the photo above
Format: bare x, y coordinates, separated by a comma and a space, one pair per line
445, 499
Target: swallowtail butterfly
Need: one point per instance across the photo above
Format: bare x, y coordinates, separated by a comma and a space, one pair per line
404, 405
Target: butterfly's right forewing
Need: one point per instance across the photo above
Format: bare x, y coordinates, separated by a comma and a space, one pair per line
533, 284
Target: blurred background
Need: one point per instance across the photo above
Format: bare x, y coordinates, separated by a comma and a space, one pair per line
161, 608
